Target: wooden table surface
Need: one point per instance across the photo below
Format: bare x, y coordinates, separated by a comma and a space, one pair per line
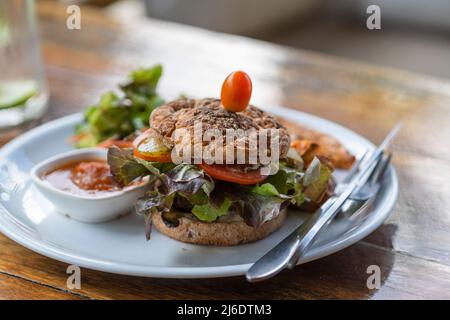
412, 248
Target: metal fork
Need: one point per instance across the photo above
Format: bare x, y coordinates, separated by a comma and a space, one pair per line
293, 247
357, 206
367, 192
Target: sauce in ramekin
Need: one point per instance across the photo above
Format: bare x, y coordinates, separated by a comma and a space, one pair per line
90, 177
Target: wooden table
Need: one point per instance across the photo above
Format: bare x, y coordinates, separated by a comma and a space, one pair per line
412, 248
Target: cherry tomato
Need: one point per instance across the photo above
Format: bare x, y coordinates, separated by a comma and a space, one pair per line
236, 91
232, 174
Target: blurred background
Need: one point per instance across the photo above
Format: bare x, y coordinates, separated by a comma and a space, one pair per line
414, 35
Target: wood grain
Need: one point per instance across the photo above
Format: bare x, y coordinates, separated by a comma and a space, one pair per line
412, 248
13, 288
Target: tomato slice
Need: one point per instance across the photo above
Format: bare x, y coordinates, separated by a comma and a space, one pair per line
236, 91
233, 174
150, 146
118, 143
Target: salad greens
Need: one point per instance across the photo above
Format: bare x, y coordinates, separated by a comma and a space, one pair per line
116, 116
184, 190
318, 178
208, 212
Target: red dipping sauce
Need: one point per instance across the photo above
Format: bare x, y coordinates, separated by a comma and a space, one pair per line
87, 177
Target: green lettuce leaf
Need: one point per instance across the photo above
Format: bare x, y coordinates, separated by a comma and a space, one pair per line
266, 189
256, 208
153, 202
315, 190
312, 173
208, 212
186, 185
142, 81
187, 180
287, 181
124, 168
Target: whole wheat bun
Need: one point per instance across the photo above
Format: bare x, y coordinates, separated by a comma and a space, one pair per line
187, 113
217, 233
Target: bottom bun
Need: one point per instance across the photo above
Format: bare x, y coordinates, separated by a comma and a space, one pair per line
217, 233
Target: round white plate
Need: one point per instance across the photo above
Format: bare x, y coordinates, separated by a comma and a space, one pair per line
119, 246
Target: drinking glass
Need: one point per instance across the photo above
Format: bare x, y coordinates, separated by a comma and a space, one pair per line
23, 87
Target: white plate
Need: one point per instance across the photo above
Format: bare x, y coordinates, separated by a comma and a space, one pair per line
119, 246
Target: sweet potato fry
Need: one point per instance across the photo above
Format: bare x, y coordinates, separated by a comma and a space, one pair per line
314, 143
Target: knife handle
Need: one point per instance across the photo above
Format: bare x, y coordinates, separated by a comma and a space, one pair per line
287, 250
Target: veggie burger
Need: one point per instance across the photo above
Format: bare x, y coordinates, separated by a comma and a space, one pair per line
215, 199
